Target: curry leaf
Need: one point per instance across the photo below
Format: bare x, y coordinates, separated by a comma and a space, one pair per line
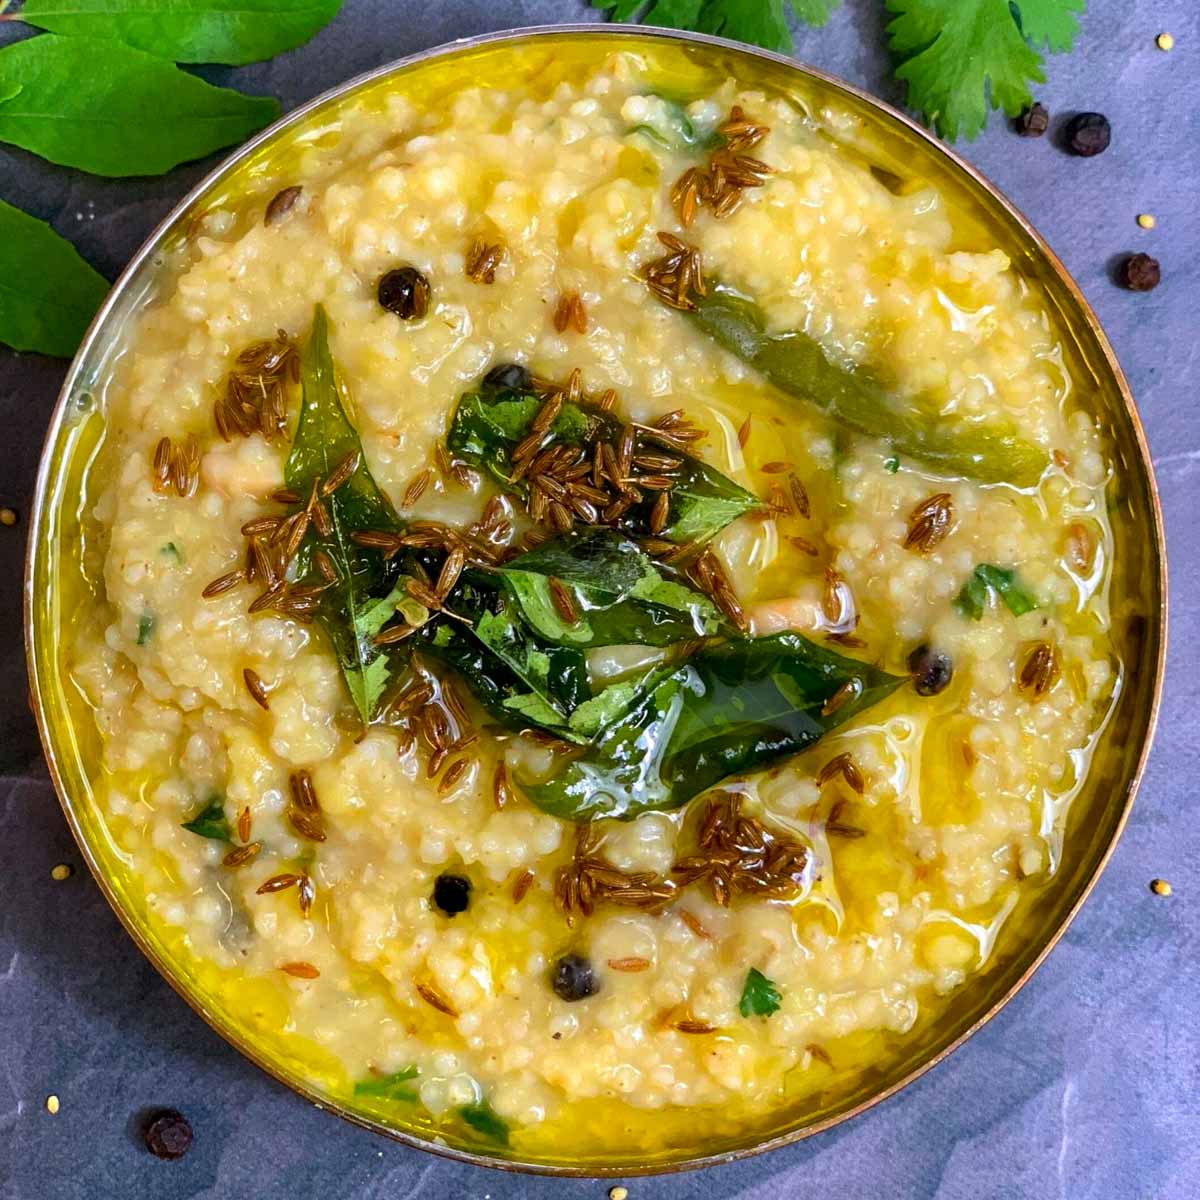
389, 1087
760, 996
190, 31
620, 597
48, 294
488, 425
972, 600
112, 110
731, 708
324, 439
211, 822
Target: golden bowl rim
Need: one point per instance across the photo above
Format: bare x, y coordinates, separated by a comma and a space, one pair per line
92, 345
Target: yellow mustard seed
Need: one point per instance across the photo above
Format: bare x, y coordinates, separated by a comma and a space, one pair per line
1165, 41
61, 871
618, 1193
1160, 887
8, 516
1146, 220
52, 1104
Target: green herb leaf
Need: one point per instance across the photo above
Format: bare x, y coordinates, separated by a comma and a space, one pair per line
190, 31
668, 124
112, 110
483, 1118
759, 22
348, 610
891, 464
959, 56
760, 996
798, 365
487, 427
972, 600
146, 623
210, 821
619, 595
729, 709
170, 551
48, 294
389, 1087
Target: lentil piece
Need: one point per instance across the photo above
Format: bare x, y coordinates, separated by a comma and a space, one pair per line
573, 978
1088, 134
405, 292
1140, 273
167, 1134
452, 893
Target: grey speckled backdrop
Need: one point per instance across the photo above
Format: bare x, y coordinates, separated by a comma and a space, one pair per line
1087, 1087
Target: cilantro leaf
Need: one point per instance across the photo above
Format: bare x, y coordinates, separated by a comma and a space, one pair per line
760, 996
759, 22
484, 1119
388, 1087
959, 56
973, 599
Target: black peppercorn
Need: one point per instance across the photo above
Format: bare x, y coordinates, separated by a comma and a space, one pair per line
452, 893
1034, 121
1140, 273
573, 978
405, 292
931, 670
508, 377
1088, 133
168, 1134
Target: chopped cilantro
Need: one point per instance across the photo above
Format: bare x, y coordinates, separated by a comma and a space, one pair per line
760, 996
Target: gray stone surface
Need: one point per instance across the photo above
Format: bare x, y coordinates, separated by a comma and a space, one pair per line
1087, 1087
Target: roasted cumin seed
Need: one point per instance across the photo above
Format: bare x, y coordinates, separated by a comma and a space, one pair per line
222, 584
434, 998
564, 604
482, 260
660, 513
300, 970
278, 883
1040, 671
257, 690
244, 822
845, 766
570, 313
521, 887
799, 496
308, 825
307, 894
847, 692
242, 855
632, 964
341, 472
454, 772
281, 205
501, 793
689, 1025
416, 489
929, 523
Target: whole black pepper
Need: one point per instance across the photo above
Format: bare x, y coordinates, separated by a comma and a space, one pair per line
168, 1134
1140, 273
573, 978
1088, 133
1034, 121
452, 893
405, 292
931, 670
510, 377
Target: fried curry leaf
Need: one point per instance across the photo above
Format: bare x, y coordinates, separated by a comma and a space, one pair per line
483, 1119
189, 31
488, 425
324, 438
211, 822
619, 596
797, 364
760, 996
389, 1087
972, 600
731, 708
48, 294
112, 110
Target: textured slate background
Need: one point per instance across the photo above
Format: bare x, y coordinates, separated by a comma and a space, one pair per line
1087, 1087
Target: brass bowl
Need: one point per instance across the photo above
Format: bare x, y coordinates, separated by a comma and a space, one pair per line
54, 579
